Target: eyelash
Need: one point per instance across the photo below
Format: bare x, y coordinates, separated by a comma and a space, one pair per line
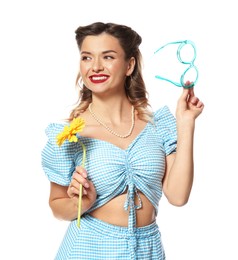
110, 57
85, 58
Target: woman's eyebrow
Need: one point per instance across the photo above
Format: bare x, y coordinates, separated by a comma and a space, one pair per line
104, 52
85, 52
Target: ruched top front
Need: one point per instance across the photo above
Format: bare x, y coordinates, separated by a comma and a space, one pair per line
113, 170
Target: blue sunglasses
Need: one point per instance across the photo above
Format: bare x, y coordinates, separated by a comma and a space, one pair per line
190, 63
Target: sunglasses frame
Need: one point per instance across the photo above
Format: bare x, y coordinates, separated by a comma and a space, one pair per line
191, 64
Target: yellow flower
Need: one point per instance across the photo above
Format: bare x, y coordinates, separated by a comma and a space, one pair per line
69, 132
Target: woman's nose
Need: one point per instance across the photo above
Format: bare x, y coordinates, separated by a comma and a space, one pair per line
97, 65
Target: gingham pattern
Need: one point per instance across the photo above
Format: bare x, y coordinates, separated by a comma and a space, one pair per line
112, 170
97, 240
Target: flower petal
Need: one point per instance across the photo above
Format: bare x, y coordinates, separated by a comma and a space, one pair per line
73, 138
69, 132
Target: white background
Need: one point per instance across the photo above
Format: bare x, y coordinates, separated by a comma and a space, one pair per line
38, 66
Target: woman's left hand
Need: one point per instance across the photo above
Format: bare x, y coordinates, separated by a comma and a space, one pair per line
189, 107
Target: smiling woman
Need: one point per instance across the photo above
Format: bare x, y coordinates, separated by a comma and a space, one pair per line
103, 61
133, 154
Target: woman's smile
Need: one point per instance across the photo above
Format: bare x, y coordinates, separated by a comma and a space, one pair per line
100, 78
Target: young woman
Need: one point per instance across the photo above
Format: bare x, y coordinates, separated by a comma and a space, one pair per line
133, 154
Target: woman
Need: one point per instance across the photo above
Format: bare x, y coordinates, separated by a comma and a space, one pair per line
133, 154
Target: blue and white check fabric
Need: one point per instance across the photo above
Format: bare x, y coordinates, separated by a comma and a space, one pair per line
98, 240
113, 171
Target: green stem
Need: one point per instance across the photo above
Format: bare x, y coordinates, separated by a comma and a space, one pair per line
81, 187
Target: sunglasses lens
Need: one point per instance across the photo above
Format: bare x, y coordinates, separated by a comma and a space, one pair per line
191, 74
187, 53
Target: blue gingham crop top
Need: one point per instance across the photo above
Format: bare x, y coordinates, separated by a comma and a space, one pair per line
114, 170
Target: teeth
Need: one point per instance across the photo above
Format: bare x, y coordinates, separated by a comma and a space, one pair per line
99, 78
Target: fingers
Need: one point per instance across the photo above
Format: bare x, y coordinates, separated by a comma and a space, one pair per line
187, 92
193, 100
78, 177
81, 171
200, 104
189, 102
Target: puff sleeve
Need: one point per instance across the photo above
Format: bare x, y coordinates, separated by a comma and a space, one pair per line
58, 161
166, 128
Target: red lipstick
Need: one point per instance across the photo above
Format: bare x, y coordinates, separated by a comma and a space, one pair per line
99, 78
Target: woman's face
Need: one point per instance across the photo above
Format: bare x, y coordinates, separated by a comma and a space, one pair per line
102, 65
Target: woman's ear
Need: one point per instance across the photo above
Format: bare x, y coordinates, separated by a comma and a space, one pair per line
131, 66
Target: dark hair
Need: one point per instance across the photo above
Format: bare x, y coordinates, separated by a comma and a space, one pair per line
135, 86
129, 39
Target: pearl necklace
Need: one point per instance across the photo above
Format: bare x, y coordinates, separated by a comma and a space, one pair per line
109, 129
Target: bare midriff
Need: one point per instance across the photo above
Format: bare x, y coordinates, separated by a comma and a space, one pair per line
114, 213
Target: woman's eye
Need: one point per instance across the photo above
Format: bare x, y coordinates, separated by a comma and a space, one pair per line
108, 57
85, 58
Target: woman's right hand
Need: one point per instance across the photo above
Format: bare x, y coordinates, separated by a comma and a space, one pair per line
89, 191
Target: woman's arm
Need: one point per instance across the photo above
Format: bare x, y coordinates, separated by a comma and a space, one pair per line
63, 200
178, 177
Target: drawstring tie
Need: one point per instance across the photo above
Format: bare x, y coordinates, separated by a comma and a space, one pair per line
130, 202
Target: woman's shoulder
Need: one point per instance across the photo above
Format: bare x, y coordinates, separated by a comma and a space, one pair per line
165, 123
66, 148
162, 112
58, 161
53, 128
